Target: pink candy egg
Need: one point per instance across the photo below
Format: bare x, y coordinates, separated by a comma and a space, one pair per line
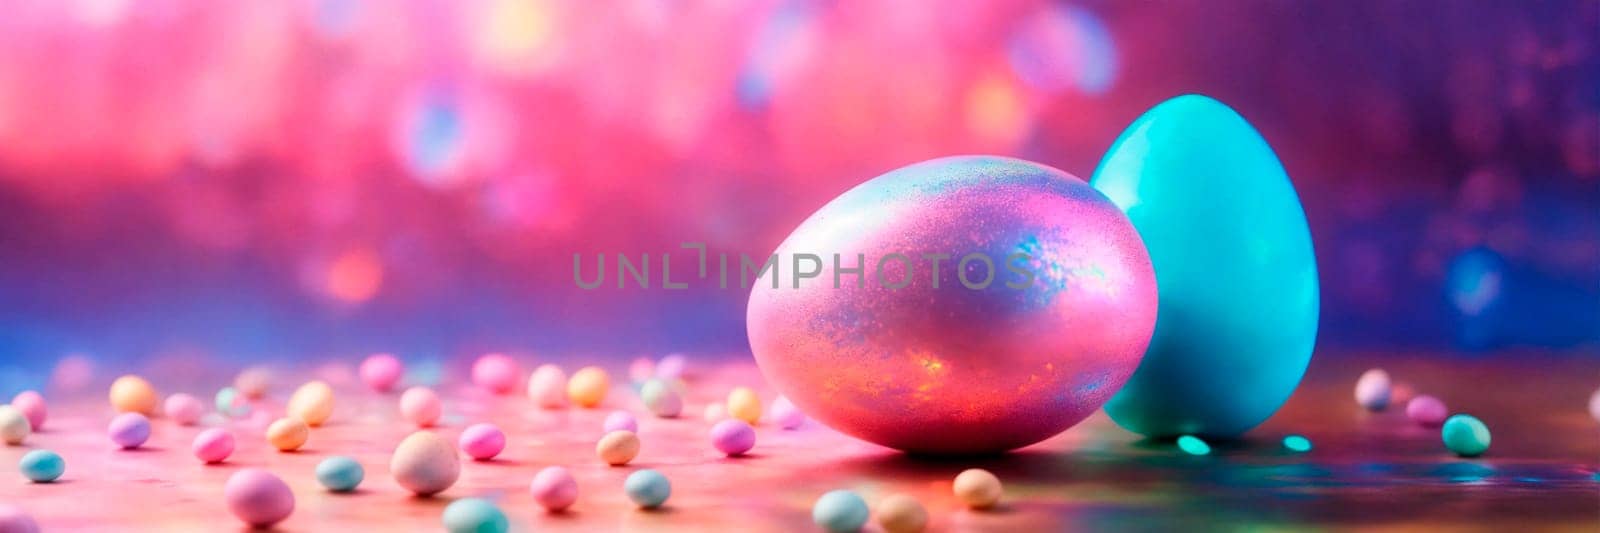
733, 437
14, 520
554, 488
784, 414
258, 498
641, 369
482, 441
184, 409
672, 366
548, 387
1427, 411
496, 373
31, 404
421, 406
129, 430
213, 445
381, 372
621, 420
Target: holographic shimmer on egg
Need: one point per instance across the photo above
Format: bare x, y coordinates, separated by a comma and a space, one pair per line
953, 370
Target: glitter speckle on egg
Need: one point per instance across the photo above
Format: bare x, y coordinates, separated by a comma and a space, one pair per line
972, 357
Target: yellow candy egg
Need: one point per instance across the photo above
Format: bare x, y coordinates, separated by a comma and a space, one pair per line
132, 394
743, 404
14, 427
288, 434
312, 403
618, 447
588, 386
977, 488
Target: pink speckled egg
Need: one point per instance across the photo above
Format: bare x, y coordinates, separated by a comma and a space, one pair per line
31, 405
482, 441
1427, 411
184, 409
497, 373
554, 488
258, 497
213, 445
381, 372
959, 305
421, 406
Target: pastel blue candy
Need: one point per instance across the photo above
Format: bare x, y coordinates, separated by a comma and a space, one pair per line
42, 466
474, 515
1234, 267
840, 511
647, 488
340, 474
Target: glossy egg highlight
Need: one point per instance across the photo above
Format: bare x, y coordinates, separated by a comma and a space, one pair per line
968, 358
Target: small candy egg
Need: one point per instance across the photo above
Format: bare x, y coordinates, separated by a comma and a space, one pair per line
288, 434
421, 406
547, 387
258, 497
733, 437
554, 488
840, 511
901, 513
588, 386
253, 382
621, 420
715, 412
230, 403
14, 427
13, 520
496, 373
425, 463
482, 441
1427, 411
129, 430
1193, 445
212, 445
340, 473
617, 447
1594, 405
381, 372
785, 414
1373, 389
1297, 444
640, 370
184, 409
1465, 435
312, 403
132, 394
474, 515
672, 366
977, 488
743, 404
41, 466
661, 398
31, 404
647, 488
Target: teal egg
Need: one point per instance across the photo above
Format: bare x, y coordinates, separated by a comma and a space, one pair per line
840, 511
1235, 271
474, 515
1465, 435
340, 473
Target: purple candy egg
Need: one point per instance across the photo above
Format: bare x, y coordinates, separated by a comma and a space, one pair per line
129, 430
733, 437
621, 420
